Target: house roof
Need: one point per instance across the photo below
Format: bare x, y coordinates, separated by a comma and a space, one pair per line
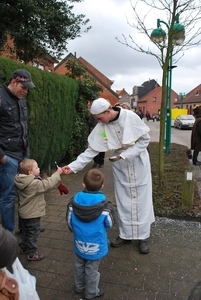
150, 94
101, 78
96, 72
122, 92
145, 88
194, 96
63, 60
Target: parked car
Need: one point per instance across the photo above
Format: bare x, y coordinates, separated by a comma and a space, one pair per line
184, 122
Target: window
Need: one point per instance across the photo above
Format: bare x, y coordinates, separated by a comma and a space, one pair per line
40, 67
37, 65
154, 99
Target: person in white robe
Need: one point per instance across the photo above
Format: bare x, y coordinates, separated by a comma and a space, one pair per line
127, 135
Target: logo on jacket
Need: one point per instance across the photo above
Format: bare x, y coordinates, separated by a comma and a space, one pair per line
87, 248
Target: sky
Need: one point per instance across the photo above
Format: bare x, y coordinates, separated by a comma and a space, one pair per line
111, 19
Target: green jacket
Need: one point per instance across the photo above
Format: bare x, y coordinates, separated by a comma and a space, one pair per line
31, 191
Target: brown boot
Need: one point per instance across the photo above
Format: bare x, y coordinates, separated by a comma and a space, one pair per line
118, 242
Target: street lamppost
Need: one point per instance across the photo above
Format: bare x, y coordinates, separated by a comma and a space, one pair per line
182, 96
176, 36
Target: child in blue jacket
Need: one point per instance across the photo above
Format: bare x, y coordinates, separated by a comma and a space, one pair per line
89, 214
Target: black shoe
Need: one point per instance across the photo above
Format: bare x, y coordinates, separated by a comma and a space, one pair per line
197, 163
100, 166
143, 247
94, 165
118, 242
100, 294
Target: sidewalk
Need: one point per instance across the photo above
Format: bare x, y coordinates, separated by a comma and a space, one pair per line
168, 272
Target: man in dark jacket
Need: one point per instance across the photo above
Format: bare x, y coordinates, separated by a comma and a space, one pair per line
196, 135
13, 140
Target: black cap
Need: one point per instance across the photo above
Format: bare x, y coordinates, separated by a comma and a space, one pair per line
24, 77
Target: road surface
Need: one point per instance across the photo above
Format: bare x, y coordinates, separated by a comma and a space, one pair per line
182, 137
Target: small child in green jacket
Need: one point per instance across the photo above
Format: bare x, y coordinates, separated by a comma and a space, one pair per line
31, 189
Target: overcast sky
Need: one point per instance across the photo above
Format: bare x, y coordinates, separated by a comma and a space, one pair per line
126, 67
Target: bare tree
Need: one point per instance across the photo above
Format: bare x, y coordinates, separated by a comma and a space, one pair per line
189, 14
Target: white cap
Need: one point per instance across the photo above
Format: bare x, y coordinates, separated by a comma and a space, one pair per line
99, 105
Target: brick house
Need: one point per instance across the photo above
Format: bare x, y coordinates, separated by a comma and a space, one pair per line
151, 102
100, 78
47, 63
191, 99
123, 96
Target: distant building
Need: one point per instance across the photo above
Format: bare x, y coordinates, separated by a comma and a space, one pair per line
190, 100
100, 78
46, 63
151, 102
123, 96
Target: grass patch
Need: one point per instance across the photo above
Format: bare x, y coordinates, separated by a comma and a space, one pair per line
167, 199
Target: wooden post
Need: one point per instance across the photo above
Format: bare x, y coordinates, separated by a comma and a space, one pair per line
188, 189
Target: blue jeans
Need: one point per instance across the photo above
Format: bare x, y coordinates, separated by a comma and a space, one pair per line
8, 192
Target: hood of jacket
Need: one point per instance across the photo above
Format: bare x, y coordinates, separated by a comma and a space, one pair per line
88, 206
22, 180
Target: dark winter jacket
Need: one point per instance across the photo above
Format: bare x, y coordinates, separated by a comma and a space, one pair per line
13, 125
196, 131
92, 121
89, 214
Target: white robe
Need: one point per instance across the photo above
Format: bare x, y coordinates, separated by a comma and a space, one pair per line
127, 136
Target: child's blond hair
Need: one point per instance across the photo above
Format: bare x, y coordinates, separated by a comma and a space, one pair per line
26, 166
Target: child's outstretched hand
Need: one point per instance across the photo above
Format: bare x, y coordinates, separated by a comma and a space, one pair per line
63, 189
59, 170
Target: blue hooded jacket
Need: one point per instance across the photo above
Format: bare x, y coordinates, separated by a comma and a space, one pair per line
89, 214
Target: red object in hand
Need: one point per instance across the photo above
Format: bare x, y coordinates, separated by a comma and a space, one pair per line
63, 189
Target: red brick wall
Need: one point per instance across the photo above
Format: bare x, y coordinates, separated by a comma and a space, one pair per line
47, 62
147, 104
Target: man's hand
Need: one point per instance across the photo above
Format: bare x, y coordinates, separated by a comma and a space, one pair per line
66, 170
3, 159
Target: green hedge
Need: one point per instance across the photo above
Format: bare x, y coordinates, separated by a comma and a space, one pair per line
52, 111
